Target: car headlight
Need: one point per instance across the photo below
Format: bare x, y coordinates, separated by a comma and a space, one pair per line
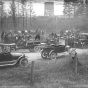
67, 47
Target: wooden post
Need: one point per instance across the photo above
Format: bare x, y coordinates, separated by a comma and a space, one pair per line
32, 72
75, 59
76, 63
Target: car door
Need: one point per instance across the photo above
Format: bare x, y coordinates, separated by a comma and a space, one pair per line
57, 49
61, 48
5, 57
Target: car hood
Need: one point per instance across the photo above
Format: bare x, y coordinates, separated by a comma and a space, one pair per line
17, 54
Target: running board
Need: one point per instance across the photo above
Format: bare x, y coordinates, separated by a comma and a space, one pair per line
5, 63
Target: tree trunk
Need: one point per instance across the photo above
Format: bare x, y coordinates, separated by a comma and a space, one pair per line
30, 16
1, 16
23, 16
13, 16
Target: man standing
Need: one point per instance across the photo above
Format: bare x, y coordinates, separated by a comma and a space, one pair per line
2, 35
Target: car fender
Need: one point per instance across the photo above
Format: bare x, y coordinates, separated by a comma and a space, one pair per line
20, 57
13, 62
51, 51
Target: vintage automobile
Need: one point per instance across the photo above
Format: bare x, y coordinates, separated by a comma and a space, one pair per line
32, 46
10, 46
35, 46
83, 39
51, 51
24, 40
8, 58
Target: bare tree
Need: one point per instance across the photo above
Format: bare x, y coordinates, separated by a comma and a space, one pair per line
18, 16
13, 14
1, 10
23, 2
30, 14
32, 19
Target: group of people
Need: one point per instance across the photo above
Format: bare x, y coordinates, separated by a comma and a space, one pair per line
4, 36
75, 38
37, 35
14, 37
53, 38
10, 37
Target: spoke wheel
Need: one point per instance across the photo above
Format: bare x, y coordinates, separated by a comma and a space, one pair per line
44, 54
31, 49
37, 49
53, 55
24, 62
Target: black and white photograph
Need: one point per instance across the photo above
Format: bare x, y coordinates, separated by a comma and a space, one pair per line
43, 43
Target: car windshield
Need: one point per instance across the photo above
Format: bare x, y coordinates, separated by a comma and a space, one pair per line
61, 41
6, 49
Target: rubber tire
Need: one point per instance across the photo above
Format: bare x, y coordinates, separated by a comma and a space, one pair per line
31, 50
22, 63
53, 55
37, 49
43, 53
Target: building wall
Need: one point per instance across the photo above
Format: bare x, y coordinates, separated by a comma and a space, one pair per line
49, 8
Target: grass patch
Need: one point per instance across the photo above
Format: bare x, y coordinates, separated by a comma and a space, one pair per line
47, 74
